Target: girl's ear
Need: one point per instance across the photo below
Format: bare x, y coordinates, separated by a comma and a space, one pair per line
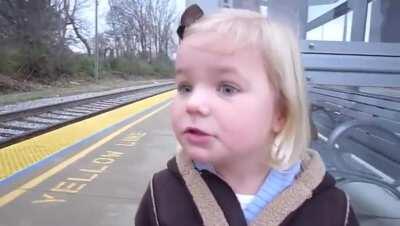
279, 123
280, 118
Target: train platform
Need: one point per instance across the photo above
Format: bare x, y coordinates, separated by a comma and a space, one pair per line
93, 172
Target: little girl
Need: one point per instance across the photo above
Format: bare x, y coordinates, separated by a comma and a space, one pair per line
241, 118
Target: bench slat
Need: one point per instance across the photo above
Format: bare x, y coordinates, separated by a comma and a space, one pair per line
340, 104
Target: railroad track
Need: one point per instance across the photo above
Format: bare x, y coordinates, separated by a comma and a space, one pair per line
19, 125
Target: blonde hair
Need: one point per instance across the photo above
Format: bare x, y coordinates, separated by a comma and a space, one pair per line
283, 67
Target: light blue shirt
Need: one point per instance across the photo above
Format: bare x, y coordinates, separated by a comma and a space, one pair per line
274, 184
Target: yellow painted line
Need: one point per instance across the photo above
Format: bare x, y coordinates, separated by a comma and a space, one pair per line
34, 182
16, 157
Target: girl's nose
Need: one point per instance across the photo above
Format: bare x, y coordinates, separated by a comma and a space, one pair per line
198, 103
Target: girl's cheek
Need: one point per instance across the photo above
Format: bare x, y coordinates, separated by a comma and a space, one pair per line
173, 110
176, 112
177, 106
174, 121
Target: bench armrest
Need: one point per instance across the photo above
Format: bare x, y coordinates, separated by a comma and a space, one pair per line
346, 126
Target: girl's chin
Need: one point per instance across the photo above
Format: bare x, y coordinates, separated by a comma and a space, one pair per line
197, 154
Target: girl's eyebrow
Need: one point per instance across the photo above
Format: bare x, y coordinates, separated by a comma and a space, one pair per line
182, 73
179, 71
216, 70
223, 70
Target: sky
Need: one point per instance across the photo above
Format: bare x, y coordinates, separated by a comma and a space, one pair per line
89, 14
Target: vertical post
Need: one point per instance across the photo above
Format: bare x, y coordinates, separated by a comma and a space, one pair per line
345, 28
96, 69
360, 9
289, 12
247, 4
384, 20
303, 19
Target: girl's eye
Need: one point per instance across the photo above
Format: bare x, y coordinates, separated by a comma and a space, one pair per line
227, 89
184, 88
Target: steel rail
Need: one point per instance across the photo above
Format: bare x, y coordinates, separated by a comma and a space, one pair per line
16, 126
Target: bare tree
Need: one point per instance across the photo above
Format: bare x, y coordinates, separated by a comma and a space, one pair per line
39, 31
141, 28
162, 25
78, 25
32, 28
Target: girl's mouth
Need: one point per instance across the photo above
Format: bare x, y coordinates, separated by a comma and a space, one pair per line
195, 131
196, 136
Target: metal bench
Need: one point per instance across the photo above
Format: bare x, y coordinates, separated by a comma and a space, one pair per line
354, 92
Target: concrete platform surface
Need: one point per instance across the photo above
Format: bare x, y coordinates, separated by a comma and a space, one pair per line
102, 186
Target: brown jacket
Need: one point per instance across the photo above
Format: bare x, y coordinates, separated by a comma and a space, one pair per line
180, 195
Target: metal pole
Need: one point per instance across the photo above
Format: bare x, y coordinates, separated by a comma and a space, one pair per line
345, 28
360, 10
96, 70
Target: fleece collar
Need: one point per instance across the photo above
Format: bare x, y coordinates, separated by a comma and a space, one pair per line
313, 171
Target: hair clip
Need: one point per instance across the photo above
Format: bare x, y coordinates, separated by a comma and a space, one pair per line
189, 16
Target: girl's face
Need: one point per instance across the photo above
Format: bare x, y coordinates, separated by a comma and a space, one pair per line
225, 106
